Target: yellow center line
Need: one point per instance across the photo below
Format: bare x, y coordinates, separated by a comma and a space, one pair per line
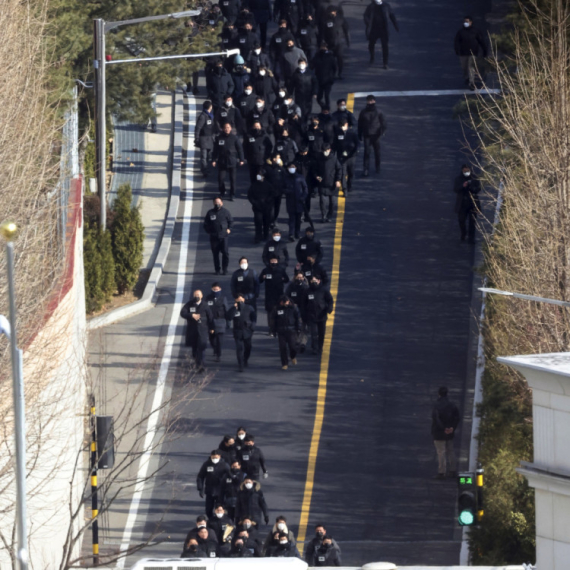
324, 372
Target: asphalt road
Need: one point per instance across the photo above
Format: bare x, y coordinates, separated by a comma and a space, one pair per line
401, 330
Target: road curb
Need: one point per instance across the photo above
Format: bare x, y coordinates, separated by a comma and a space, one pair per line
148, 300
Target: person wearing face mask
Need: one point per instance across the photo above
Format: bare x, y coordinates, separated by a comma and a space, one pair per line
334, 31
245, 283
289, 10
261, 198
325, 66
469, 44
252, 458
304, 87
201, 522
230, 10
227, 449
290, 60
218, 305
311, 268
208, 544
296, 192
261, 10
261, 114
278, 104
318, 305
327, 173
257, 148
239, 549
345, 145
272, 538
307, 36
227, 155
297, 290
223, 527
218, 84
257, 58
243, 320
275, 174
326, 554
240, 76
230, 114
199, 322
376, 18
343, 113
218, 224
311, 557
285, 549
249, 544
275, 247
326, 122
275, 277
246, 524
467, 204
246, 18
193, 550
230, 488
251, 502
241, 433
371, 127
246, 38
209, 480
204, 136
228, 37
285, 322
279, 42
307, 246
286, 147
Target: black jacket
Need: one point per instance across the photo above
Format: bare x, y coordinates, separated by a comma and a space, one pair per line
245, 103
303, 85
278, 248
261, 196
218, 305
376, 18
371, 122
297, 291
231, 115
229, 453
328, 169
287, 149
223, 527
315, 139
345, 144
255, 61
227, 151
197, 330
264, 116
324, 64
275, 277
261, 9
210, 476
346, 114
284, 319
318, 304
296, 192
252, 461
313, 547
242, 551
445, 414
218, 86
278, 43
230, 9
315, 270
245, 283
274, 175
230, 488
257, 147
243, 320
308, 36
469, 41
266, 86
306, 247
245, 41
334, 31
251, 503
283, 551
205, 131
467, 197
218, 222
326, 556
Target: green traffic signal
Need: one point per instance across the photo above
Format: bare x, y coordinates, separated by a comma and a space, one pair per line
466, 518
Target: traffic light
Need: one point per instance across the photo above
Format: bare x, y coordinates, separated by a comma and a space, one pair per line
469, 498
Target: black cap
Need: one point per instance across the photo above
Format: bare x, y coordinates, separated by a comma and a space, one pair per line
370, 98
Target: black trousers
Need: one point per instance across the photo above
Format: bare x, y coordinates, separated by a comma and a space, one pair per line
385, 50
326, 212
243, 350
306, 106
216, 341
287, 339
205, 159
347, 174
324, 91
276, 208
338, 50
295, 224
262, 37
193, 81
467, 220
373, 142
262, 220
198, 348
220, 246
317, 335
210, 504
222, 170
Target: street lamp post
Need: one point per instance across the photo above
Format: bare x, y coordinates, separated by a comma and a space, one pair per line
9, 230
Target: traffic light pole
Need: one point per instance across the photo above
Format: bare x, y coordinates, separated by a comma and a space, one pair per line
94, 497
100, 116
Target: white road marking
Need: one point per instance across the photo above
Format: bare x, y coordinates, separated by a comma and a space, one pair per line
360, 94
152, 426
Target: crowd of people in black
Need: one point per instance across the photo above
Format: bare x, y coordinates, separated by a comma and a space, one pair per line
229, 481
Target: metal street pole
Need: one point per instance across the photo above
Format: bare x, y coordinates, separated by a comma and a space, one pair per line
100, 117
9, 231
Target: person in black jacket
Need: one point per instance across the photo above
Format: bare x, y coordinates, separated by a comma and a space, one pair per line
304, 86
469, 44
312, 548
227, 449
201, 522
228, 113
246, 102
261, 198
309, 245
345, 145
228, 153
444, 422
371, 126
334, 31
218, 83
257, 149
290, 10
193, 550
311, 269
218, 304
250, 544
230, 488
307, 36
261, 10
285, 322
327, 174
218, 225
284, 550
274, 173
252, 529
318, 305
275, 247
252, 458
275, 277
209, 480
261, 114
297, 290
243, 321
208, 544
278, 42
467, 205
204, 136
240, 550
224, 528
343, 113
245, 283
325, 66
251, 502
230, 9
326, 554
199, 323
376, 18
257, 58
296, 192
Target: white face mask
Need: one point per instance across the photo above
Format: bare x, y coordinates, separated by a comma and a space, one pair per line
378, 1
259, 104
281, 94
215, 460
466, 24
259, 177
302, 67
243, 266
247, 525
242, 435
248, 91
342, 108
326, 152
228, 103
281, 526
262, 72
257, 51
466, 174
219, 515
292, 170
248, 485
276, 238
282, 542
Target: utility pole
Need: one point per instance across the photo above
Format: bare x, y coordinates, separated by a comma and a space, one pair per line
100, 119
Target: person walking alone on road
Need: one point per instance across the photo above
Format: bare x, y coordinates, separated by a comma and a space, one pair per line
243, 320
376, 18
199, 322
467, 204
218, 225
209, 480
285, 322
444, 422
469, 44
218, 305
228, 153
371, 127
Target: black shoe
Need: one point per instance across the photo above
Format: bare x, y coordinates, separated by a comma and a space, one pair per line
240, 369
225, 271
291, 238
327, 220
385, 66
377, 170
231, 198
217, 272
323, 220
366, 172
246, 363
340, 78
217, 358
195, 91
371, 59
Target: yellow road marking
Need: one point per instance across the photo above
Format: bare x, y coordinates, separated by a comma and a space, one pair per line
323, 375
